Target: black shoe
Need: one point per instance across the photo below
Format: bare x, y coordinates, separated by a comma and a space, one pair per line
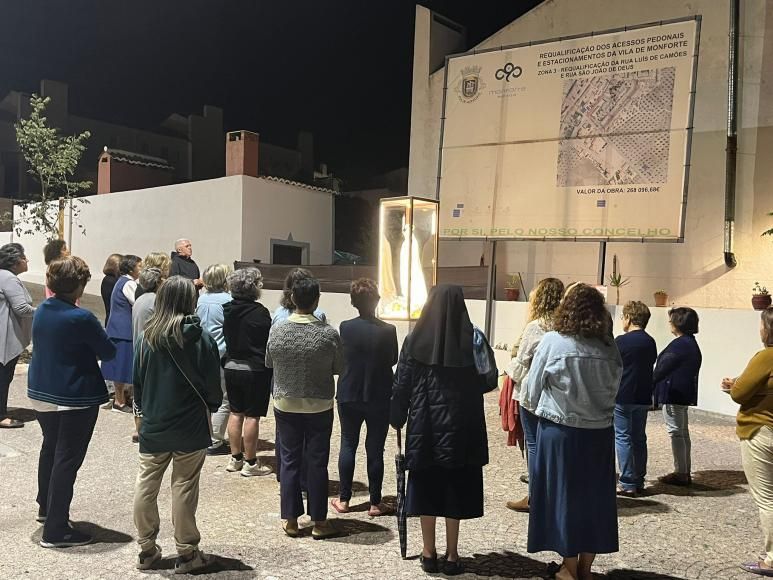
524, 478
222, 449
41, 517
71, 538
429, 565
452, 568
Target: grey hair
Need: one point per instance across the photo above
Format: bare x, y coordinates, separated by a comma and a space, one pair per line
179, 242
149, 279
245, 283
10, 255
175, 299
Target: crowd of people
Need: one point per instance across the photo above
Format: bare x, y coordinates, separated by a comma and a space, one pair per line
197, 360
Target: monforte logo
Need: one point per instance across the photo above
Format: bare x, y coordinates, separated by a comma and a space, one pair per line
507, 72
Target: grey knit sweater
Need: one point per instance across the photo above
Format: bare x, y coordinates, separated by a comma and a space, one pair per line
304, 356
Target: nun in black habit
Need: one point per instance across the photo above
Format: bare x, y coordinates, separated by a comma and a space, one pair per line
439, 392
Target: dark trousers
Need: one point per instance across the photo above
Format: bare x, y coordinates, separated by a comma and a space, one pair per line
6, 376
66, 437
294, 429
376, 419
278, 456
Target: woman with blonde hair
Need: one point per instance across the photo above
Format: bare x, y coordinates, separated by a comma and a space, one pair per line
154, 260
543, 302
210, 310
176, 387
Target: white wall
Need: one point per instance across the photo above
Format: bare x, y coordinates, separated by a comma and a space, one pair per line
272, 209
693, 273
227, 219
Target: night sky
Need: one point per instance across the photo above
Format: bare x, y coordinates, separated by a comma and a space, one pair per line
341, 69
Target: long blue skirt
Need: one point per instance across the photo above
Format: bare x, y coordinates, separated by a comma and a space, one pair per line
572, 503
120, 368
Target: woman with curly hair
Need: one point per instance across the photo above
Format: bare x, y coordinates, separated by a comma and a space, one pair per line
572, 384
543, 302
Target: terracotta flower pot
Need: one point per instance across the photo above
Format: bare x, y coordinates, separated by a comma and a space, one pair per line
512, 294
761, 301
661, 299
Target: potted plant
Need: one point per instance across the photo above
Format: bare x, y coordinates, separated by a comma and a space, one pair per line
760, 297
616, 279
661, 297
512, 290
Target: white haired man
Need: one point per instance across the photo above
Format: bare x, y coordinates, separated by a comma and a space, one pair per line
182, 263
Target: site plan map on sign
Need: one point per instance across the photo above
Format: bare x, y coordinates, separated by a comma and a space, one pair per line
615, 129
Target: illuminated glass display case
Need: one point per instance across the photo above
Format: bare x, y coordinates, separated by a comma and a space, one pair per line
407, 259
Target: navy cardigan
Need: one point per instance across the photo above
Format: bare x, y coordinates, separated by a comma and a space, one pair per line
676, 372
67, 340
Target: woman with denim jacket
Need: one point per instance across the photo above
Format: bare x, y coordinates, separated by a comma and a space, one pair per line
676, 388
572, 384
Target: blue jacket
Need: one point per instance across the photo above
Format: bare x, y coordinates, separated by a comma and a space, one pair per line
210, 311
676, 372
64, 371
119, 324
638, 351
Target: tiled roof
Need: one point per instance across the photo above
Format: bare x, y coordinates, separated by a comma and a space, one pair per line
297, 184
138, 159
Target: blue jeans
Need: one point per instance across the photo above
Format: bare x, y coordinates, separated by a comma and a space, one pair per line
529, 422
376, 419
678, 426
631, 444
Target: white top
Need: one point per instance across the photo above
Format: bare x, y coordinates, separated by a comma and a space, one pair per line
130, 289
43, 407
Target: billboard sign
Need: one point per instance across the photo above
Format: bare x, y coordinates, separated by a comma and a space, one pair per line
584, 138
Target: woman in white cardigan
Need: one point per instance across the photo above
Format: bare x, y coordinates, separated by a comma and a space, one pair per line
543, 302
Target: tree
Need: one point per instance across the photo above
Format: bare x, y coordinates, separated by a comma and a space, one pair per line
52, 159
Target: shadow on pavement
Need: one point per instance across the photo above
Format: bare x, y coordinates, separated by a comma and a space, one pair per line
334, 487
265, 445
353, 531
105, 539
708, 483
635, 575
220, 564
21, 414
627, 507
507, 564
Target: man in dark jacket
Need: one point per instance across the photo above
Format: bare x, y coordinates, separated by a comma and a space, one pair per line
634, 398
182, 263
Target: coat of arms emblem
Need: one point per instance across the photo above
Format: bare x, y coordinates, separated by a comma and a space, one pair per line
470, 84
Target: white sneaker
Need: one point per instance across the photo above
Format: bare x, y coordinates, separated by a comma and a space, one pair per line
256, 470
234, 464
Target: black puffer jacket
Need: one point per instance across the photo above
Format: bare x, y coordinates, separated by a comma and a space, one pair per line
444, 410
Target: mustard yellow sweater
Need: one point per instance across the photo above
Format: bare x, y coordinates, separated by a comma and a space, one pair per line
753, 390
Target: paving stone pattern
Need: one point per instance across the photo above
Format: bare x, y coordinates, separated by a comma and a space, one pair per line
701, 533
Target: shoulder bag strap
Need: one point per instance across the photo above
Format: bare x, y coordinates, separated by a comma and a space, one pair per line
195, 390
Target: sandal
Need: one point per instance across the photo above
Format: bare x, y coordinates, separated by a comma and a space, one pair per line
11, 424
758, 567
563, 573
336, 504
380, 509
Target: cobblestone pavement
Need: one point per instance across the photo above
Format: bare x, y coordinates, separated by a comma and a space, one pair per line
673, 533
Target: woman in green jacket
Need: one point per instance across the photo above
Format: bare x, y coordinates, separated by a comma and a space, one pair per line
176, 387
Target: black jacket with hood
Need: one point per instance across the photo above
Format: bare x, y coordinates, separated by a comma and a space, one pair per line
184, 266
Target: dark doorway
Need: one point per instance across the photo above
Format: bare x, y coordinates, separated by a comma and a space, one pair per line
289, 255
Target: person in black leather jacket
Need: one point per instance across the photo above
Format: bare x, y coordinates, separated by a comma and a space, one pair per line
440, 393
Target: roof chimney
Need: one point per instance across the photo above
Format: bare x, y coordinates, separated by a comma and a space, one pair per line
241, 153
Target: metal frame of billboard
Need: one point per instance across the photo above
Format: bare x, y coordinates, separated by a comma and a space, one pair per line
688, 141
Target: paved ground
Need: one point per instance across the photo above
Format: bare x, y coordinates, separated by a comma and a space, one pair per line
701, 533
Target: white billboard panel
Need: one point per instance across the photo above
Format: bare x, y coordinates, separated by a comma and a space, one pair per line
584, 138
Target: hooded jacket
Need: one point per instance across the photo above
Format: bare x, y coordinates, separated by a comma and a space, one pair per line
444, 410
175, 417
246, 324
184, 266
